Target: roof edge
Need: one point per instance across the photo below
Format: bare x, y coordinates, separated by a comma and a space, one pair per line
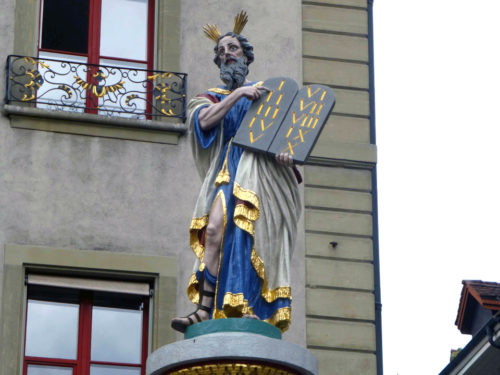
476, 340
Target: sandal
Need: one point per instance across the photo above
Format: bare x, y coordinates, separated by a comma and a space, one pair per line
180, 324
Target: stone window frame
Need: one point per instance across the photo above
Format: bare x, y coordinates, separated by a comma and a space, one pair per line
18, 259
166, 58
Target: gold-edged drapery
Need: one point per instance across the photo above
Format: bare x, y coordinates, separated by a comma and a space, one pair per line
269, 214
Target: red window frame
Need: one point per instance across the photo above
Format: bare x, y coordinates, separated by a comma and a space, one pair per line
81, 365
94, 40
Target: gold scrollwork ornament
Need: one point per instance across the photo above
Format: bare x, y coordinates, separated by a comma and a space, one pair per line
231, 369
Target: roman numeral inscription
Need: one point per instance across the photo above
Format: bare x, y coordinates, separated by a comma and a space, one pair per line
304, 121
263, 119
286, 121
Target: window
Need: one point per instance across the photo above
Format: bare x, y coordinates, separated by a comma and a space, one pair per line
84, 32
85, 326
108, 45
119, 31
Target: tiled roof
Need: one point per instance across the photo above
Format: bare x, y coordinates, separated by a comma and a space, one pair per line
486, 294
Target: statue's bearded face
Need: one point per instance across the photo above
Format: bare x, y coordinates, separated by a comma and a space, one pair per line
233, 67
229, 49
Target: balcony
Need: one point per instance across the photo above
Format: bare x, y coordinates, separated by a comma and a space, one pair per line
110, 91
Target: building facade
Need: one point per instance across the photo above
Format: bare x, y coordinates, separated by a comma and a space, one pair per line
101, 204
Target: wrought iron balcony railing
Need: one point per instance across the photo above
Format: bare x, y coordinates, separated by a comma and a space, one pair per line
106, 90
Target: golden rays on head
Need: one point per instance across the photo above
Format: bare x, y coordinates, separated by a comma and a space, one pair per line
212, 31
240, 21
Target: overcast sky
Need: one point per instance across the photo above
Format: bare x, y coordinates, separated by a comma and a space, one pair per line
437, 80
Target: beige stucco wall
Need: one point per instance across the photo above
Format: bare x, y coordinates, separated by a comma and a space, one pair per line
273, 28
6, 44
85, 192
98, 193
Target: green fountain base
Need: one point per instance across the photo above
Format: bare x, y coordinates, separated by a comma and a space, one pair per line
233, 325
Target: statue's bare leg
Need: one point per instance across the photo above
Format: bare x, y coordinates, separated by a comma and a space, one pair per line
213, 239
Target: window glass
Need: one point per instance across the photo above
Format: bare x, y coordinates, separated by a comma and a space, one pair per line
65, 25
49, 370
95, 32
114, 370
52, 329
116, 335
124, 29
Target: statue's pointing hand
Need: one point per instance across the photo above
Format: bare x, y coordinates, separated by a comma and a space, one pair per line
251, 92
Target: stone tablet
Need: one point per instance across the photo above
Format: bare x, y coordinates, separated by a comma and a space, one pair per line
303, 123
263, 119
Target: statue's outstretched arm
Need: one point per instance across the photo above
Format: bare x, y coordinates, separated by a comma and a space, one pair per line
210, 116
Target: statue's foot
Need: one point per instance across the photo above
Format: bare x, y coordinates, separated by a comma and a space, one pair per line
181, 323
207, 296
251, 316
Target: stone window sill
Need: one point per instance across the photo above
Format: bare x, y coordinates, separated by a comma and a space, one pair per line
95, 125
